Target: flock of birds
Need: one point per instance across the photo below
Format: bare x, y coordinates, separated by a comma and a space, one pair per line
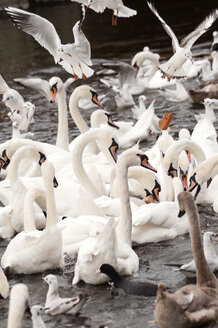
84, 199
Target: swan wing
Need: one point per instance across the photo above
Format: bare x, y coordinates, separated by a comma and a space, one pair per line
190, 39
40, 28
169, 31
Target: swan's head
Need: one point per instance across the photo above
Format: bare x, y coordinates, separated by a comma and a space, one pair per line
85, 91
55, 85
154, 194
50, 279
100, 116
37, 310
135, 157
48, 172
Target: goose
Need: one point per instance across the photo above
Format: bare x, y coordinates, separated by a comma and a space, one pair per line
18, 305
95, 251
36, 312
130, 287
209, 252
55, 304
182, 52
156, 222
4, 286
32, 251
73, 57
191, 304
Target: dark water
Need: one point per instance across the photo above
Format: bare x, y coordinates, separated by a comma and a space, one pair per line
21, 56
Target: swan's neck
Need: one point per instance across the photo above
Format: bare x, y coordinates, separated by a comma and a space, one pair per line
52, 293
52, 217
124, 227
78, 167
203, 272
78, 119
17, 306
28, 210
62, 136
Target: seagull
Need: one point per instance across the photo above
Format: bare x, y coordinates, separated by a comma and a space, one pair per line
119, 9
55, 304
182, 51
16, 104
36, 311
73, 57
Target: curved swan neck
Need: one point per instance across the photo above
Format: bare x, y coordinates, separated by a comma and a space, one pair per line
62, 135
78, 167
75, 113
124, 227
78, 119
28, 211
20, 154
19, 299
204, 275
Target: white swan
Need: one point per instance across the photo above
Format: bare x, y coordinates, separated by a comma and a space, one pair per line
33, 251
159, 221
94, 251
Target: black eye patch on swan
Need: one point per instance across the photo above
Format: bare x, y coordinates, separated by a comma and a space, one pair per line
94, 94
42, 158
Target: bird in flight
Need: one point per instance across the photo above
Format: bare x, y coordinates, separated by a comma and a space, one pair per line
182, 51
73, 57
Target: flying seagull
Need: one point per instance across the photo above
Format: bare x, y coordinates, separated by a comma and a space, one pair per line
73, 57
173, 67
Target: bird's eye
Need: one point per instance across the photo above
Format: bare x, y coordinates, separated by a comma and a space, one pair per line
18, 112
8, 98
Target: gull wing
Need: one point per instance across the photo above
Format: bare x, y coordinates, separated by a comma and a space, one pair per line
35, 83
190, 39
40, 28
175, 42
81, 44
3, 85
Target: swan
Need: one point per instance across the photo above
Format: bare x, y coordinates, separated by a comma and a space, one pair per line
159, 221
32, 251
18, 305
191, 305
83, 91
115, 248
55, 304
209, 252
13, 190
204, 172
4, 286
36, 311
57, 90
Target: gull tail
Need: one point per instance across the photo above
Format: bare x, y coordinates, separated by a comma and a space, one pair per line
126, 12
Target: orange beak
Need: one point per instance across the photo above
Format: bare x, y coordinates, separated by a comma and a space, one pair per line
53, 93
96, 101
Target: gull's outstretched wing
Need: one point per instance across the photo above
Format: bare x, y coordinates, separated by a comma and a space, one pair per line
81, 45
40, 28
37, 84
190, 39
175, 42
3, 85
